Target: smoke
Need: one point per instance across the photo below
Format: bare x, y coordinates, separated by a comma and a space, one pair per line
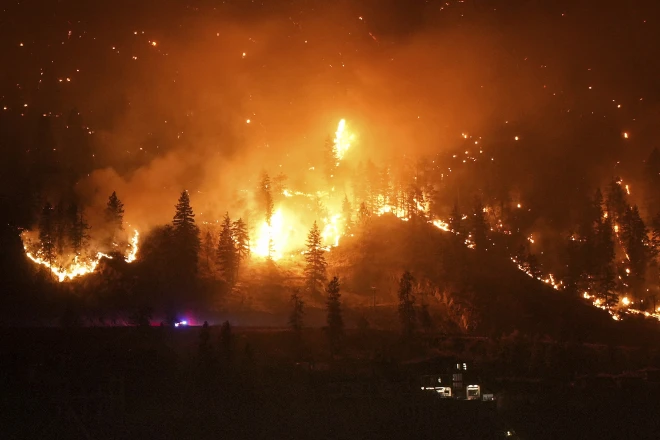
408, 81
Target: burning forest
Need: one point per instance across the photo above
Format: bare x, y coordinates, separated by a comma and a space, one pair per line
231, 162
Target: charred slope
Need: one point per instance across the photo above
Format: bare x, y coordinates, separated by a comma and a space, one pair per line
476, 291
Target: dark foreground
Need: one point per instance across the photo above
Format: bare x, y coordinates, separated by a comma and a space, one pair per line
170, 384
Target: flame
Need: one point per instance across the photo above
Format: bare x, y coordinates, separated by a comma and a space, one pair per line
133, 247
79, 267
342, 141
332, 230
271, 240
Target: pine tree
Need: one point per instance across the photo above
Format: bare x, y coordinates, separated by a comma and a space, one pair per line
316, 264
407, 314
636, 242
47, 233
479, 226
297, 313
241, 238
616, 201
348, 214
227, 254
61, 228
114, 213
207, 253
335, 319
78, 228
606, 287
267, 197
185, 235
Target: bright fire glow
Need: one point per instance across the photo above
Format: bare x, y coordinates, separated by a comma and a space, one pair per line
342, 140
80, 266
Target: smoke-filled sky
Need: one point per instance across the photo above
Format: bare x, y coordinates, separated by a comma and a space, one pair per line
167, 87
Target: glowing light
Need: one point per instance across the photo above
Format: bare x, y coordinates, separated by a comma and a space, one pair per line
625, 135
79, 266
342, 140
133, 247
272, 239
625, 301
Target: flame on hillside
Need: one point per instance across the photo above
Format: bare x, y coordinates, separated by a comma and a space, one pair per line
79, 266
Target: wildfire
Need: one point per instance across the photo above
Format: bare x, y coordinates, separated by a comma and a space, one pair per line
133, 247
342, 141
79, 267
272, 239
331, 230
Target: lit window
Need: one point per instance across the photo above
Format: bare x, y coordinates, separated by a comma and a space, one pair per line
464, 366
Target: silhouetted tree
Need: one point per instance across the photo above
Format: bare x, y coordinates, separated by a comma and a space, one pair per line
316, 264
407, 314
61, 228
78, 228
227, 254
616, 200
606, 287
185, 236
636, 242
241, 238
335, 319
208, 253
47, 233
114, 216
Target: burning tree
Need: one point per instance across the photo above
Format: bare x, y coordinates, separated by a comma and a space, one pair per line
227, 254
637, 246
316, 264
268, 206
335, 319
407, 314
